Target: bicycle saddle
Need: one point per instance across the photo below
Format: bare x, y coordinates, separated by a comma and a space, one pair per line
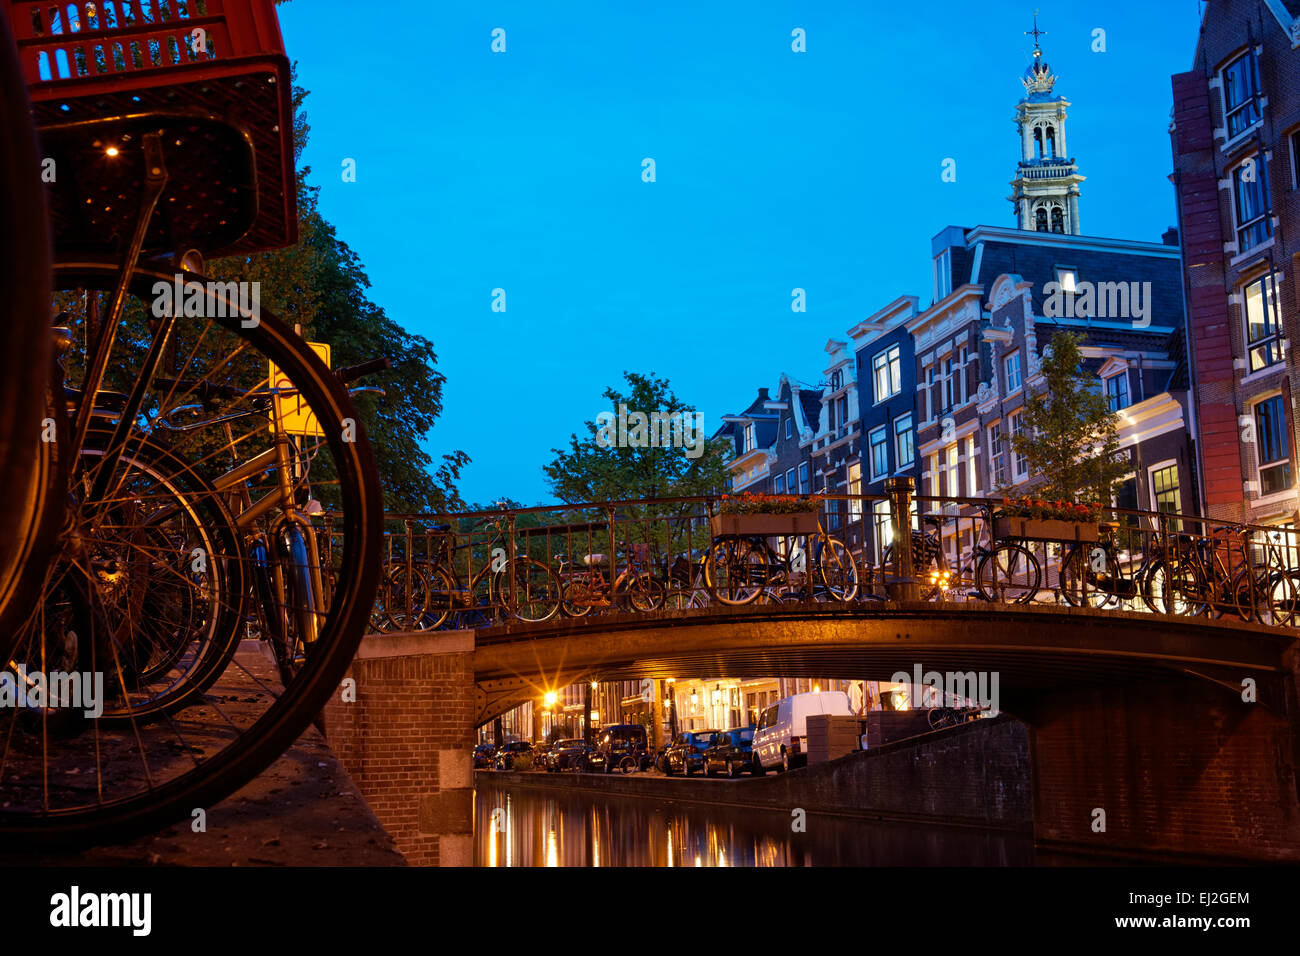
592, 559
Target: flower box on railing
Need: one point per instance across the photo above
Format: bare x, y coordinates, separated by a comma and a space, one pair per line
763, 525
1043, 529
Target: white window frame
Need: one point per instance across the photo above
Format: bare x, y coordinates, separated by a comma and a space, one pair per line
1019, 377
883, 431
892, 367
997, 442
778, 484
911, 429
1128, 396
1151, 484
1267, 278
790, 486
943, 275
750, 437
789, 428
1287, 459
1261, 180
1257, 94
1019, 463
855, 491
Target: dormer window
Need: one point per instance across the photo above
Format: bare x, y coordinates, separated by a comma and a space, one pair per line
1117, 391
943, 275
1241, 95
837, 380
750, 441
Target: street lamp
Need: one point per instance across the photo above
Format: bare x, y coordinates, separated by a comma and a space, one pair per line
550, 699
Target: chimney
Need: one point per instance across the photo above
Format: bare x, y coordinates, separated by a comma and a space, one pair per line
763, 395
1170, 238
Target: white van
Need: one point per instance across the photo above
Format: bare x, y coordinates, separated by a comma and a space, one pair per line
781, 740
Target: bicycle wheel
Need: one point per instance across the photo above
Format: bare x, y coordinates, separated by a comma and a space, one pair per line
1009, 573
643, 592
1080, 585
439, 595
1182, 591
536, 590
836, 569
941, 717
406, 598
577, 600
202, 390
924, 568
735, 571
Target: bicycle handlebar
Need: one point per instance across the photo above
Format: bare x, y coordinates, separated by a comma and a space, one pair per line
350, 372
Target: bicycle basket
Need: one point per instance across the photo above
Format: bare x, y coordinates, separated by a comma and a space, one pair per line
209, 76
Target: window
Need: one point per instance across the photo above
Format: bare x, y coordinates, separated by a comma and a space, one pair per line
1058, 219
1067, 277
749, 436
1241, 94
1013, 372
837, 380
961, 373
1274, 448
1250, 187
1040, 220
803, 478
789, 481
789, 428
883, 530
943, 275
997, 458
879, 452
949, 385
832, 507
929, 393
972, 476
1164, 489
904, 441
1117, 391
844, 415
855, 491
778, 484
1260, 306
1020, 465
887, 374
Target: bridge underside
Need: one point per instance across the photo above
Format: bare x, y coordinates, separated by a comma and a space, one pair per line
1034, 651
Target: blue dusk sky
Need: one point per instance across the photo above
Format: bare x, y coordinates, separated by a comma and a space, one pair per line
820, 170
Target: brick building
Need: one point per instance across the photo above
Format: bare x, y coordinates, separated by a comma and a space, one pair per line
1236, 148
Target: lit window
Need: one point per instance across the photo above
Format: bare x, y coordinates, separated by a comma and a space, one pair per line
887, 374
855, 491
749, 436
904, 441
879, 452
997, 458
1013, 372
1274, 448
943, 275
1117, 391
1020, 464
1067, 278
1164, 490
1241, 94
1260, 308
1250, 187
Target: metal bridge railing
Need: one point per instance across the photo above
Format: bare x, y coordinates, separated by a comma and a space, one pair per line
582, 561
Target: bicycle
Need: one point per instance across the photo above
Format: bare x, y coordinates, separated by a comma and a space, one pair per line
1005, 571
523, 586
129, 563
738, 569
941, 718
634, 586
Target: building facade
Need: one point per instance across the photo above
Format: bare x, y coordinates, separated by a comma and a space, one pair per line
1236, 150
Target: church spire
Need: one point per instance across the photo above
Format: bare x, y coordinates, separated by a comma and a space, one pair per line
1046, 196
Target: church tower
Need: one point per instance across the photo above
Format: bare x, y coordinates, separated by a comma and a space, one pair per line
1046, 187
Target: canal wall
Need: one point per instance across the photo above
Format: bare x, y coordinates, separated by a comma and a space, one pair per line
975, 775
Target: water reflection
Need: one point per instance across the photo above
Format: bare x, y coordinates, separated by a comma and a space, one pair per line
524, 827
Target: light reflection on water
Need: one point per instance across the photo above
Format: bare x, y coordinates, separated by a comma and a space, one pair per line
550, 828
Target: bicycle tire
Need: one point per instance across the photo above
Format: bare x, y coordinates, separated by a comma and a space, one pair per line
836, 569
1078, 582
203, 782
735, 571
999, 578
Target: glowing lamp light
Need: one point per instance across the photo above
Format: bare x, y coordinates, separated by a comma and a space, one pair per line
550, 699
111, 151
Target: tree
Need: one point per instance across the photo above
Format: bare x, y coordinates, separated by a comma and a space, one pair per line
1070, 437
320, 284
631, 452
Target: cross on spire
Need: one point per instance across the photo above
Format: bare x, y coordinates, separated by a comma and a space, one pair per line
1036, 33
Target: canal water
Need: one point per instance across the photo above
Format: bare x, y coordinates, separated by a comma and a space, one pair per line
518, 826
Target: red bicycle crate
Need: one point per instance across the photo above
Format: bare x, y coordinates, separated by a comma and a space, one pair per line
218, 62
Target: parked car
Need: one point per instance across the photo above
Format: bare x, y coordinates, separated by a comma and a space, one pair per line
686, 753
518, 754
732, 753
781, 740
621, 747
484, 756
565, 754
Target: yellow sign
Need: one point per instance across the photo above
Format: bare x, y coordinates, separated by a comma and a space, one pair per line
290, 410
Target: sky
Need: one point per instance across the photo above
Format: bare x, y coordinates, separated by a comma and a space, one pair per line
774, 170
